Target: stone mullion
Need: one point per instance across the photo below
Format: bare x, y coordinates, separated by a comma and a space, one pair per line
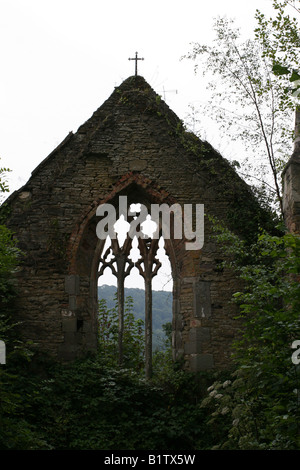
148, 249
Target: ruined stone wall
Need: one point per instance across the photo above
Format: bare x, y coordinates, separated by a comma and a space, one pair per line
133, 145
291, 184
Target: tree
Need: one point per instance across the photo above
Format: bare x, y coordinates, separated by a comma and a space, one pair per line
133, 337
15, 431
260, 400
9, 254
249, 101
281, 43
3, 183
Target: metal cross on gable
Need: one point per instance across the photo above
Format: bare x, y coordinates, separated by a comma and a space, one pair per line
136, 58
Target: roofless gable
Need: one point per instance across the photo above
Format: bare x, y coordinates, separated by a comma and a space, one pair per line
133, 146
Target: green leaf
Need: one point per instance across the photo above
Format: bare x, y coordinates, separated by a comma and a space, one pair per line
295, 76
280, 70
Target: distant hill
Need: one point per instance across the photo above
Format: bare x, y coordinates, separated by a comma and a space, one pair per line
161, 306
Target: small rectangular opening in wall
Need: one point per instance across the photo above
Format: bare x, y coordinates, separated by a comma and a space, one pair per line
202, 300
79, 324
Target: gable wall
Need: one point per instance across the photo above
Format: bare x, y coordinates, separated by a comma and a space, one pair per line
132, 141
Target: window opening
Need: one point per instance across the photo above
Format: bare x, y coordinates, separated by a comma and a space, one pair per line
124, 255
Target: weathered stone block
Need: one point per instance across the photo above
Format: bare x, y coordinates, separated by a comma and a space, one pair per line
197, 336
72, 284
69, 324
200, 362
138, 165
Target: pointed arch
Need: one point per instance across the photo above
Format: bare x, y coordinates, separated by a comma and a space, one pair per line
85, 249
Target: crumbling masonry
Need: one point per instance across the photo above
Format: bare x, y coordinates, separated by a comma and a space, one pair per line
133, 145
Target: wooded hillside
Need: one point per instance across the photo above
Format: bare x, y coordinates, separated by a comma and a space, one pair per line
161, 307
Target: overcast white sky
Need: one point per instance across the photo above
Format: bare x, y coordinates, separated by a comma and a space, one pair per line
60, 60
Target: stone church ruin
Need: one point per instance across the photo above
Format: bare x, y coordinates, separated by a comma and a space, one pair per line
133, 146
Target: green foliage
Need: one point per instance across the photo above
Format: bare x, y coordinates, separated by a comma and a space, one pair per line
161, 307
15, 431
280, 38
9, 258
260, 400
3, 184
8, 251
248, 100
87, 405
162, 360
8, 263
133, 337
94, 404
